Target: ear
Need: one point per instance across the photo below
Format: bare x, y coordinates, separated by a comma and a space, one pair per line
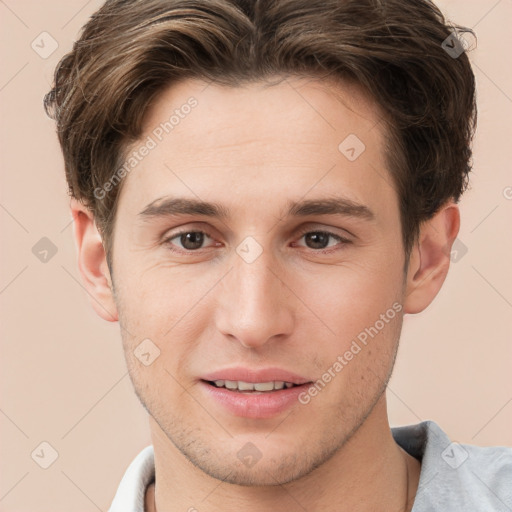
92, 262
430, 258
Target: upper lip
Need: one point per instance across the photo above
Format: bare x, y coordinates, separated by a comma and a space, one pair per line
256, 375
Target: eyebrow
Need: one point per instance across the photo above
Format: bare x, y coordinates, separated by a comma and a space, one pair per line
175, 206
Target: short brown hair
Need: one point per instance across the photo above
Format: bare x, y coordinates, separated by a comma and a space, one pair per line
130, 50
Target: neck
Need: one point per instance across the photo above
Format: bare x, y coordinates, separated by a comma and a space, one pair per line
370, 472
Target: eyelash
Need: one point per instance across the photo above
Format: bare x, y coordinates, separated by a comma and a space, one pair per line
301, 233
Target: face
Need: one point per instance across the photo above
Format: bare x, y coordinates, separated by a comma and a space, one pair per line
256, 244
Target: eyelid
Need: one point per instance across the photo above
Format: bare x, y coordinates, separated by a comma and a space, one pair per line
188, 227
318, 229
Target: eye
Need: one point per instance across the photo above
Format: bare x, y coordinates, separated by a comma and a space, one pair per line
189, 240
319, 240
193, 241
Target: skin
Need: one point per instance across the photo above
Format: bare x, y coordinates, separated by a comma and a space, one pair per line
253, 149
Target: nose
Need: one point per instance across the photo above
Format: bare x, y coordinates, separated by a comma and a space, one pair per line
255, 307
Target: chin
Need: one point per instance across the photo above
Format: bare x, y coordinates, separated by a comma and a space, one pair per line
261, 474
247, 466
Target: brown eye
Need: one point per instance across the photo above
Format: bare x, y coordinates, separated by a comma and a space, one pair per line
321, 241
187, 241
192, 240
317, 239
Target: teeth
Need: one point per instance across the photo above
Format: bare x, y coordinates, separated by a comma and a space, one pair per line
245, 386
252, 386
264, 386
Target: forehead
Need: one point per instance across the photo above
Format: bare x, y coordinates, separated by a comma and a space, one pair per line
243, 144
286, 108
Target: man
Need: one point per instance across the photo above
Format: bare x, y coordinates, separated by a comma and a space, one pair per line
261, 191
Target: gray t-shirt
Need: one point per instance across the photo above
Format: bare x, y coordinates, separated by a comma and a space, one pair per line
457, 477
454, 477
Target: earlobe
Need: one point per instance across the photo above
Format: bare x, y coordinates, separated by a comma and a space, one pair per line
430, 258
92, 262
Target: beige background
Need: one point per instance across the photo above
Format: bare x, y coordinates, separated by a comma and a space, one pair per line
63, 376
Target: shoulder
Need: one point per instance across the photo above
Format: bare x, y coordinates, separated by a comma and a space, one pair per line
457, 476
486, 472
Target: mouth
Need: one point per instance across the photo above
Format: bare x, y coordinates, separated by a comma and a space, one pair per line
254, 388
256, 394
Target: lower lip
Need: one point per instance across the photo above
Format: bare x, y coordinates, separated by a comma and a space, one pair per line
255, 405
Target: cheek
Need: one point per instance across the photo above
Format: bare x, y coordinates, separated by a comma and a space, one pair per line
360, 308
352, 297
166, 314
157, 299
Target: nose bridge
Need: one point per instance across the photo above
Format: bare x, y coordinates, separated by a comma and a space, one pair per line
255, 305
